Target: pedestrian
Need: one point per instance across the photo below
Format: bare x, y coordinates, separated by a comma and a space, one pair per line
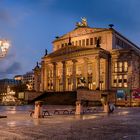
111, 107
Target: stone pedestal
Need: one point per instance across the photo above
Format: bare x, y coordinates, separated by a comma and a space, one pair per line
106, 108
38, 110
79, 108
105, 104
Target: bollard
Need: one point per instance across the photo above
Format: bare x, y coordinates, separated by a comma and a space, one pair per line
106, 108
105, 104
38, 110
79, 108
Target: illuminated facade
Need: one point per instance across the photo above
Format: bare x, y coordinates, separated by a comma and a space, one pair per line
102, 56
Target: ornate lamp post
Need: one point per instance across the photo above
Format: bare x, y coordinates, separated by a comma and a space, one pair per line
4, 47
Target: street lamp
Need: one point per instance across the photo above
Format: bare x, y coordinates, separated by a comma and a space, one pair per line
4, 47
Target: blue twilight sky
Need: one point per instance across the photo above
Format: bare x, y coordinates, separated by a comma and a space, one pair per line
31, 26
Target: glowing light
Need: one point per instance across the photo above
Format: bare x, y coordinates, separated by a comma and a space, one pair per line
4, 47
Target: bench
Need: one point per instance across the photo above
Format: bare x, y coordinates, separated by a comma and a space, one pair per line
89, 110
61, 111
44, 113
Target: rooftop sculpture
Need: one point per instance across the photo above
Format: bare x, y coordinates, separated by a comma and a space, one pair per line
83, 22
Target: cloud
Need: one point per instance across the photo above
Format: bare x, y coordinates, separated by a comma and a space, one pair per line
8, 65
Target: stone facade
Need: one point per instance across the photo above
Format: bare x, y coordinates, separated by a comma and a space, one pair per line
102, 56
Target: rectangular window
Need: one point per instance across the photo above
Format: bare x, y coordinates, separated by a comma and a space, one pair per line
120, 80
95, 40
79, 42
115, 67
125, 80
87, 42
89, 68
125, 66
78, 70
62, 45
91, 41
120, 66
83, 42
115, 81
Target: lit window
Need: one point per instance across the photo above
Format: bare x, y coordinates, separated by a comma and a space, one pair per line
90, 69
79, 70
120, 66
125, 66
115, 67
69, 71
115, 81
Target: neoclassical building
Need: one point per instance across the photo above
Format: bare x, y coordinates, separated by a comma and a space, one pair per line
104, 58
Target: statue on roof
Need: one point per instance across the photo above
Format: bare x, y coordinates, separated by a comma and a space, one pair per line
83, 22
46, 52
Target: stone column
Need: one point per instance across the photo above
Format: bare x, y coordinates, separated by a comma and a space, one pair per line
54, 76
97, 72
45, 78
107, 78
74, 74
42, 77
85, 71
64, 75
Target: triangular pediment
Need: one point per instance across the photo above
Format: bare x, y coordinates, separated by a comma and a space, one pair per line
79, 31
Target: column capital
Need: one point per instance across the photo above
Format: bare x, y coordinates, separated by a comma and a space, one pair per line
74, 60
63, 62
54, 63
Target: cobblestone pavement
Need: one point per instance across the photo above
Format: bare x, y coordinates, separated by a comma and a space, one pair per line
123, 124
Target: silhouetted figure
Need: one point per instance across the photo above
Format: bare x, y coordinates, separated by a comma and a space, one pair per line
46, 52
69, 43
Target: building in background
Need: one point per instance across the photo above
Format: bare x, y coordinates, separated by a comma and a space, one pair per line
37, 78
18, 77
4, 83
28, 79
